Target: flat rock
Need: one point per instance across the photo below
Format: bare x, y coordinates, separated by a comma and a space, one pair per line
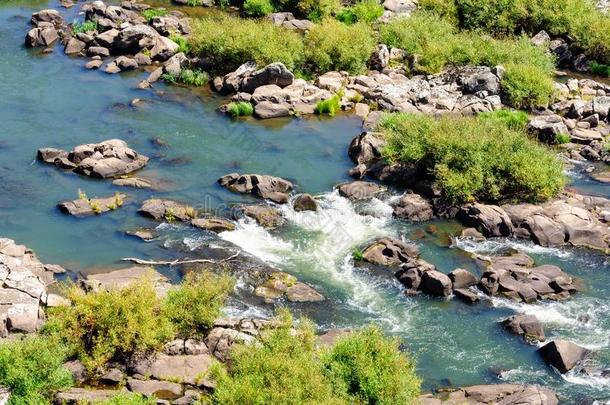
167, 210
359, 190
213, 224
75, 396
301, 292
124, 277
159, 389
92, 206
185, 369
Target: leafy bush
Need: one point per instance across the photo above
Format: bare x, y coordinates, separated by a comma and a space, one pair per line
366, 11
600, 69
33, 370
471, 158
331, 45
183, 45
443, 8
317, 10
83, 27
230, 41
329, 106
516, 120
240, 109
258, 8
438, 45
371, 369
111, 324
283, 370
151, 13
194, 306
562, 138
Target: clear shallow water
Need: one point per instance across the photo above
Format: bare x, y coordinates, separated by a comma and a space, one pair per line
51, 100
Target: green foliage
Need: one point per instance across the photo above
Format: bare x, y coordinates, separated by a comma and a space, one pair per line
578, 19
190, 77
600, 69
151, 13
438, 45
229, 42
33, 370
240, 109
329, 106
183, 45
562, 138
371, 369
366, 11
194, 306
258, 8
513, 119
331, 45
358, 255
128, 398
317, 10
194, 3
83, 27
472, 158
111, 324
282, 370
445, 9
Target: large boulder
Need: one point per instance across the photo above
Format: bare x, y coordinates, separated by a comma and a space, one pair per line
111, 158
389, 252
490, 220
134, 38
37, 37
213, 224
167, 210
47, 16
269, 187
562, 354
435, 283
266, 216
359, 190
413, 207
366, 148
91, 206
547, 127
526, 326
461, 278
305, 202
479, 79
275, 73
184, 369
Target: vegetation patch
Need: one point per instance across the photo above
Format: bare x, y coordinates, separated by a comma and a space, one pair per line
600, 69
33, 370
190, 77
332, 45
258, 8
151, 13
513, 119
366, 11
230, 41
240, 109
317, 10
83, 27
193, 307
439, 45
473, 159
183, 45
287, 368
129, 398
330, 106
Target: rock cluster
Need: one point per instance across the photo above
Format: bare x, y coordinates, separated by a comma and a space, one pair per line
279, 285
107, 159
47, 29
271, 188
23, 288
169, 210
267, 216
526, 326
287, 20
515, 277
508, 394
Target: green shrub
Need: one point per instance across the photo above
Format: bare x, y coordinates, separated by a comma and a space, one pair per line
240, 109
83, 27
491, 16
317, 10
230, 41
105, 325
190, 77
562, 138
282, 370
258, 8
471, 158
438, 45
600, 69
33, 370
151, 13
371, 369
516, 120
443, 8
331, 45
194, 306
329, 106
183, 45
366, 11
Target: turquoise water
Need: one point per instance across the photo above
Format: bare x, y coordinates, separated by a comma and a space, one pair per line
51, 100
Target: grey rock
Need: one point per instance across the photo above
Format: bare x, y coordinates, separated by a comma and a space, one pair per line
562, 354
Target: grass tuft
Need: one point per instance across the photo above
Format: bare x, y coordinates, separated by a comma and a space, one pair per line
84, 27
329, 106
151, 13
240, 109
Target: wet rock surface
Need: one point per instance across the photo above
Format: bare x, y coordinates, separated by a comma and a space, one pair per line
509, 394
268, 187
